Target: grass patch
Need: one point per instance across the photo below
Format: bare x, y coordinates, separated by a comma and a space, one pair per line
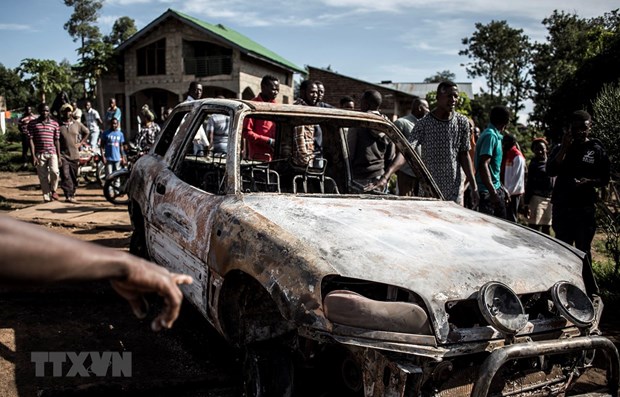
11, 152
604, 271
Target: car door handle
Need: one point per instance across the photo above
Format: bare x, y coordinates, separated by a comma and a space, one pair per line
160, 188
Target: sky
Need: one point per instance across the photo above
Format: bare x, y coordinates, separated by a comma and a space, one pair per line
372, 40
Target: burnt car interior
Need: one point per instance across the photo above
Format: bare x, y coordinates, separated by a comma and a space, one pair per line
330, 169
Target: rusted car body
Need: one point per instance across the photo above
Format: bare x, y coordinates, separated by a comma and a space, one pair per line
393, 296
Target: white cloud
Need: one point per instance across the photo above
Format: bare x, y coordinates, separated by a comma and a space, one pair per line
14, 26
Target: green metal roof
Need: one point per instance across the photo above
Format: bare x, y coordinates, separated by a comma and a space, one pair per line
231, 36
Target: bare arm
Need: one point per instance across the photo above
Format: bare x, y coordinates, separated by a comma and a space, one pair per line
396, 165
485, 175
466, 165
556, 160
31, 254
32, 152
85, 134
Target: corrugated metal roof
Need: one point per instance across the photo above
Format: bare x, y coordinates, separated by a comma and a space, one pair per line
234, 38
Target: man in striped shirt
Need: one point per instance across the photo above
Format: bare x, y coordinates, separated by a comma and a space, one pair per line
44, 135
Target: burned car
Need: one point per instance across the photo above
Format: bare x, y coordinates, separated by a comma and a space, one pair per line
305, 269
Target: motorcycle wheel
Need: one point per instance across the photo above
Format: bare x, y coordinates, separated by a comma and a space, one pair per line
115, 189
100, 173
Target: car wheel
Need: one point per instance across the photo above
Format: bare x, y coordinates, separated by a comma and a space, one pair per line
268, 371
114, 189
100, 172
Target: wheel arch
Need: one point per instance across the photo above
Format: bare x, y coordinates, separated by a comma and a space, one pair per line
248, 312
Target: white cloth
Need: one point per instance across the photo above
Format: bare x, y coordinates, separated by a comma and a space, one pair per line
514, 175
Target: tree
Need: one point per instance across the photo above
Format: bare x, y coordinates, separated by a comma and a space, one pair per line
440, 76
13, 89
557, 59
123, 28
81, 26
45, 77
580, 56
96, 60
606, 125
500, 54
463, 107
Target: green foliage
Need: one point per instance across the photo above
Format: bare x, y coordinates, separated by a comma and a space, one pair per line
10, 150
96, 58
605, 270
81, 25
463, 107
501, 55
45, 77
123, 28
606, 125
441, 76
16, 93
481, 108
580, 56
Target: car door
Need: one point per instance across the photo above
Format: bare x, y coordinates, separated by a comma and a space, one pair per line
182, 212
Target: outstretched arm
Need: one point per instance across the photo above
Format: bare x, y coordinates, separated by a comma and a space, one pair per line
31, 254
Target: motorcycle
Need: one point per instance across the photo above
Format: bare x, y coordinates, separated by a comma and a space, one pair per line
115, 184
90, 166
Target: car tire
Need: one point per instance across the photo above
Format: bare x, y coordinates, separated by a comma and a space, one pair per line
114, 189
268, 371
100, 172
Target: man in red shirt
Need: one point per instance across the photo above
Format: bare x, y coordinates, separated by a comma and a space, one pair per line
23, 128
44, 134
260, 135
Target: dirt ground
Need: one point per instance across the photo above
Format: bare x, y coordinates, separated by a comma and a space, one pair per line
188, 360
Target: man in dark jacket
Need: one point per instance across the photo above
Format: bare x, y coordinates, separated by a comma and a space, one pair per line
580, 165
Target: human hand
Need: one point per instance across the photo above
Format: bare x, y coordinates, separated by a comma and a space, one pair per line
380, 185
475, 198
567, 139
145, 277
581, 181
35, 161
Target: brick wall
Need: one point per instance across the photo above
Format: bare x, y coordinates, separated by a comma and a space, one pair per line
336, 86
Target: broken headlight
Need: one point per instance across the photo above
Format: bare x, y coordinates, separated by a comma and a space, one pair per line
573, 303
501, 307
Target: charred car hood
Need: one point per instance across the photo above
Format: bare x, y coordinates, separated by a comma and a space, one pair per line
437, 249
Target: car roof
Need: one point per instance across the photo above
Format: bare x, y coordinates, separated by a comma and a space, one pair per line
268, 107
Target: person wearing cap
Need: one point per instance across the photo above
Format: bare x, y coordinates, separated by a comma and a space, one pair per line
73, 135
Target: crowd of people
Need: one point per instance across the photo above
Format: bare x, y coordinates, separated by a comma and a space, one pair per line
484, 171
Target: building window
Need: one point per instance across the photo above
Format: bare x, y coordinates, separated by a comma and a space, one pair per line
152, 59
203, 59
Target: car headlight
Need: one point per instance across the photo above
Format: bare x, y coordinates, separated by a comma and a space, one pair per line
502, 308
355, 310
573, 303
